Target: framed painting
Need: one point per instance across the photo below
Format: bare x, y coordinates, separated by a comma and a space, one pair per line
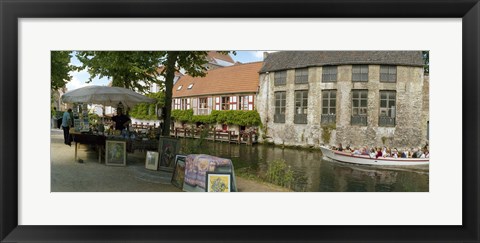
116, 153
167, 148
218, 182
178, 175
19, 223
151, 160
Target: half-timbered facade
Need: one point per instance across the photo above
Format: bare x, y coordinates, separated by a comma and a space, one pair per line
226, 88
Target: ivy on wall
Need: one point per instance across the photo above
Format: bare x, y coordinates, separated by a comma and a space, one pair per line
230, 117
147, 111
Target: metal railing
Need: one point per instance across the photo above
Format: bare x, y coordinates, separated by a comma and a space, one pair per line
386, 121
279, 118
359, 120
329, 119
300, 119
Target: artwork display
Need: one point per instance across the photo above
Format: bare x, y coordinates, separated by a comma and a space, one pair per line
178, 176
116, 153
168, 148
218, 182
151, 161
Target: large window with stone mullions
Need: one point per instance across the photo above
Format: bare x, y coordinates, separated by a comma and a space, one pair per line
329, 74
280, 103
280, 78
388, 74
387, 114
360, 73
301, 107
329, 106
359, 107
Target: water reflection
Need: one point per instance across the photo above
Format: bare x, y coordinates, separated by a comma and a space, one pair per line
314, 174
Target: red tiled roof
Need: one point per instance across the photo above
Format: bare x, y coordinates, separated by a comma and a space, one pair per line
215, 54
241, 78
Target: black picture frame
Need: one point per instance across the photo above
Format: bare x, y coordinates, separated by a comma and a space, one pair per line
11, 11
211, 173
179, 169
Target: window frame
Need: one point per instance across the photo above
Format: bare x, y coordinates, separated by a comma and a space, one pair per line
329, 74
281, 80
360, 74
225, 106
281, 109
329, 117
300, 118
387, 120
301, 76
361, 117
389, 74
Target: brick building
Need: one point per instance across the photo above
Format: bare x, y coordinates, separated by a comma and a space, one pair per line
227, 88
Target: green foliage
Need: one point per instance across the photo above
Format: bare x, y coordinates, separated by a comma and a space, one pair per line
426, 60
182, 115
206, 119
125, 68
327, 132
60, 69
93, 118
280, 173
147, 111
241, 118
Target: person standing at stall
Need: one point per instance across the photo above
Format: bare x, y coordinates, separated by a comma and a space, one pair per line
66, 124
121, 120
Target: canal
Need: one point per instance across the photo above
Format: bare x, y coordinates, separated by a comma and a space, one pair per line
305, 170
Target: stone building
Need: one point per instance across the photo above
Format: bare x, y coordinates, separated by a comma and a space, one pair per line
310, 98
227, 88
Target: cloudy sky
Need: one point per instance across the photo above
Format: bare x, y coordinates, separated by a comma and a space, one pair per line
79, 78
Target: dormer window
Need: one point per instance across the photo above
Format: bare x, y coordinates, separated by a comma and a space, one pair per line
190, 86
180, 87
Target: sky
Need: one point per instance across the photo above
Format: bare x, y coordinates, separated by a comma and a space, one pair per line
79, 78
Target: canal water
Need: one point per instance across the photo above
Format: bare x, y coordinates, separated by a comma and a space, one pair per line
310, 171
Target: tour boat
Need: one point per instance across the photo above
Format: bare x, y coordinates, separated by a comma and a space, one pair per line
366, 160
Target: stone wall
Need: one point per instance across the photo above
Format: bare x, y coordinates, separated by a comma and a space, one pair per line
411, 113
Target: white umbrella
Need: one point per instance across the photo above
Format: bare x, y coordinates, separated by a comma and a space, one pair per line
105, 95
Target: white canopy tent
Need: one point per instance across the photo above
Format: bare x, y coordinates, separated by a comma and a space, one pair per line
105, 95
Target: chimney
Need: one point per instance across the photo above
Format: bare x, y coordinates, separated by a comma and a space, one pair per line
265, 55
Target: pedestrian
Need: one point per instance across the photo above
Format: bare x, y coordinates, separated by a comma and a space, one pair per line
66, 124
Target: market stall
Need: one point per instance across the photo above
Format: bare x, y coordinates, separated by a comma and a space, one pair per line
84, 132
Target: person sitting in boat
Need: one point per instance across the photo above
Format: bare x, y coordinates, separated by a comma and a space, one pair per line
384, 152
372, 153
394, 153
340, 148
414, 153
365, 151
356, 151
379, 153
348, 149
426, 153
404, 154
420, 153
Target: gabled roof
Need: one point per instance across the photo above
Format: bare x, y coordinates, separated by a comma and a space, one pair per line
299, 59
219, 59
241, 78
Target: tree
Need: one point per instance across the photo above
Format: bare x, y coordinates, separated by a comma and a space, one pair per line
426, 61
125, 68
60, 69
193, 62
